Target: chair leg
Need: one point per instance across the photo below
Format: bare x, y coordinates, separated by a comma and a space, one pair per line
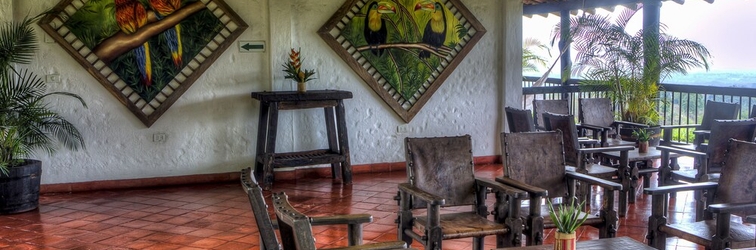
656, 238
478, 243
609, 215
404, 222
433, 228
507, 212
435, 239
534, 233
534, 220
721, 238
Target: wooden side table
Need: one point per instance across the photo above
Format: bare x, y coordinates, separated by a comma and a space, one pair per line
639, 164
337, 153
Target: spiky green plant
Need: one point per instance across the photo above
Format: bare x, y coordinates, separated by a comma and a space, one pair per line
567, 217
27, 122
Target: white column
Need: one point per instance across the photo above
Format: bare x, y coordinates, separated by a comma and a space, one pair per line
511, 57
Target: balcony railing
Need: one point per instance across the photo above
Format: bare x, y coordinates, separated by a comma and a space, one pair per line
678, 104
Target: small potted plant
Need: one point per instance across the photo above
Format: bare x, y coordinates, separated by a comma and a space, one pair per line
643, 136
567, 219
293, 69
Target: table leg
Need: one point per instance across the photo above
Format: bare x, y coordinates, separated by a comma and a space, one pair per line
623, 173
333, 145
262, 129
346, 165
633, 182
270, 147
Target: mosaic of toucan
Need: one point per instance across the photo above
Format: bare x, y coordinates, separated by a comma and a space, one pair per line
130, 15
173, 35
375, 27
435, 30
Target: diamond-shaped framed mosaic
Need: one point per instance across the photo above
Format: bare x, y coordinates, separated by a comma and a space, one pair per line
403, 49
147, 53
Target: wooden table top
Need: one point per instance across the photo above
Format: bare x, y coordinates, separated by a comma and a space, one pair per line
625, 243
634, 155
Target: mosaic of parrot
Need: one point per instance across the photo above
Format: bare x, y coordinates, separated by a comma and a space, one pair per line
375, 27
435, 30
173, 35
130, 15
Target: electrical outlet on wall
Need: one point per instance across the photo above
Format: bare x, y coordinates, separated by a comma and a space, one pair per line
52, 78
159, 137
403, 129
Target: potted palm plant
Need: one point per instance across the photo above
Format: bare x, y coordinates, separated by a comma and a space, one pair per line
567, 219
609, 57
27, 122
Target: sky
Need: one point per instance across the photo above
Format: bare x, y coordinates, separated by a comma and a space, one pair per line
724, 27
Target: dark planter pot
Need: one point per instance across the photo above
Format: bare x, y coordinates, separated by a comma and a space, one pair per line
626, 134
19, 190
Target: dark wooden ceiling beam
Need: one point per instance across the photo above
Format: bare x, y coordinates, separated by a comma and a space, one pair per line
557, 6
552, 7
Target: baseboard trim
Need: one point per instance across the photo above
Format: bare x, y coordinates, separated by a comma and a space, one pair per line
291, 174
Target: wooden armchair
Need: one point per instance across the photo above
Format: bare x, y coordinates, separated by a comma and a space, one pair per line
597, 115
581, 159
708, 160
442, 182
707, 164
543, 175
541, 107
713, 110
519, 120
296, 229
732, 194
267, 227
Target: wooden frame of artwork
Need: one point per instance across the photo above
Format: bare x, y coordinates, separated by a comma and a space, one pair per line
145, 52
403, 49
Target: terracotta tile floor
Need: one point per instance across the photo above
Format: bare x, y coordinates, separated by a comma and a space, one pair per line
218, 216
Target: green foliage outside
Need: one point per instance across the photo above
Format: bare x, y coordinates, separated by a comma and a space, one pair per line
608, 56
95, 22
401, 67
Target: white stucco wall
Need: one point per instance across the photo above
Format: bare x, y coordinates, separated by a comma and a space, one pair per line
212, 127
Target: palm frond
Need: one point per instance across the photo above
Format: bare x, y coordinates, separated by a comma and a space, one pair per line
27, 121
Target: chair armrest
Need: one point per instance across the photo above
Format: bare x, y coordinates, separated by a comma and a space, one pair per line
605, 149
593, 180
420, 194
587, 141
632, 124
680, 126
701, 132
730, 207
751, 219
678, 188
681, 151
511, 191
376, 246
533, 191
330, 220
351, 219
593, 127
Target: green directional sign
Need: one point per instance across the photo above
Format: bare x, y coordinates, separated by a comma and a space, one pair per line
251, 46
